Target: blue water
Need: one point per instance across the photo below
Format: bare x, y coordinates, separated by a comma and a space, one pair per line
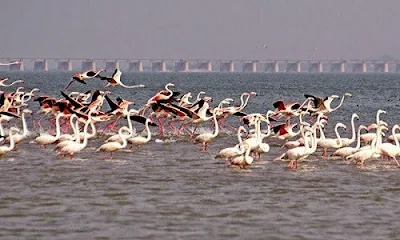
172, 190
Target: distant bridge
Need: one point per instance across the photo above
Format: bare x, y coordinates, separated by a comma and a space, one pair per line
202, 65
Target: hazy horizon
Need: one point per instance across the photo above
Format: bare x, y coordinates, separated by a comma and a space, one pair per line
224, 29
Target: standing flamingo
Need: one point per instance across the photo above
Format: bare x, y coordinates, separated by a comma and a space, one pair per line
46, 139
114, 146
205, 138
5, 149
139, 140
244, 160
228, 153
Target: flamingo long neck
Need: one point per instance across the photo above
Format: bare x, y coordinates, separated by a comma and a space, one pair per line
378, 138
247, 158
337, 134
1, 127
58, 130
77, 133
73, 126
358, 145
239, 137
123, 138
85, 130
243, 104
12, 142
24, 125
169, 90
314, 140
321, 133
131, 86
258, 132
396, 140
215, 123
353, 129
92, 130
148, 130
130, 125
340, 104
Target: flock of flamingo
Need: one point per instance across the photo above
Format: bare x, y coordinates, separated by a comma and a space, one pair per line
78, 117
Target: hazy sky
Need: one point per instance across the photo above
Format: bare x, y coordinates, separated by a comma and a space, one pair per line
192, 29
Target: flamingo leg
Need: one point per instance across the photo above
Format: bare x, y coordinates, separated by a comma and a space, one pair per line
397, 162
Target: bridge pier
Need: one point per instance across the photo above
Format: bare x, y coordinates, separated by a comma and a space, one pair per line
136, 66
64, 66
205, 65
359, 67
227, 66
110, 66
182, 66
316, 67
16, 67
40, 65
381, 67
338, 67
249, 66
88, 65
293, 67
158, 66
272, 67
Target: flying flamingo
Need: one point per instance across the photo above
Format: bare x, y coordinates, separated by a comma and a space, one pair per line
80, 77
115, 80
324, 105
11, 63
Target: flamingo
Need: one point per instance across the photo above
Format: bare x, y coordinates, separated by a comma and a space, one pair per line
25, 132
326, 143
347, 141
243, 160
3, 84
302, 152
5, 149
115, 80
205, 138
139, 140
324, 105
346, 151
369, 152
230, 152
390, 150
80, 77
11, 63
46, 139
114, 146
73, 147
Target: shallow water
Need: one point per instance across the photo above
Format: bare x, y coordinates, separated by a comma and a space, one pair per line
171, 190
